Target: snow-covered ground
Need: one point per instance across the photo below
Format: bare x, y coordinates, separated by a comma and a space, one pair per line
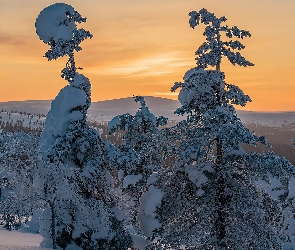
19, 240
24, 240
273, 119
24, 120
106, 110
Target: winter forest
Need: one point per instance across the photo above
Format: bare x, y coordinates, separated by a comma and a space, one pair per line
186, 185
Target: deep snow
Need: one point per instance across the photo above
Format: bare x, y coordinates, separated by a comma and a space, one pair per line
19, 240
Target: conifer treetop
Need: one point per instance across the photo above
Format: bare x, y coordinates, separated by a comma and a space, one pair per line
56, 25
211, 51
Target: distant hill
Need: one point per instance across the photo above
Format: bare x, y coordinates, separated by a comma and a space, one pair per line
29, 116
106, 110
157, 105
34, 106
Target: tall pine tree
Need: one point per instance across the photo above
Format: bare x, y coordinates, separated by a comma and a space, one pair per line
211, 199
76, 186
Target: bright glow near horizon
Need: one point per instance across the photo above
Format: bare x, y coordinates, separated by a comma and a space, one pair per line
143, 47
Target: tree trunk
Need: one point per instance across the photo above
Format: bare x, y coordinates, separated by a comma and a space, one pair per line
222, 199
52, 226
222, 213
218, 66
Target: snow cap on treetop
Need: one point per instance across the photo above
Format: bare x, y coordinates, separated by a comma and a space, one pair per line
54, 23
56, 26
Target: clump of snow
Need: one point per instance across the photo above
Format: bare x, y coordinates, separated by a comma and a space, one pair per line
44, 222
200, 192
62, 112
78, 80
196, 173
131, 179
146, 115
109, 179
199, 87
289, 245
270, 188
53, 23
149, 202
153, 178
114, 123
291, 226
101, 234
66, 100
120, 174
33, 223
292, 190
193, 71
239, 152
73, 246
118, 213
139, 242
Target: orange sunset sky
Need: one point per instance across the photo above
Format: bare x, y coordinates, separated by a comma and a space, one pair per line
141, 47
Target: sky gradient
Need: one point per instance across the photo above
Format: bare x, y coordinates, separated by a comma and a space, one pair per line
141, 47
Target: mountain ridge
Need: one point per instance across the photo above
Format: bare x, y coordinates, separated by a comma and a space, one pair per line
105, 110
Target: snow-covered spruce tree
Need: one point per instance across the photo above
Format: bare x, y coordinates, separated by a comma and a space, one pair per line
17, 165
142, 153
143, 136
211, 199
72, 177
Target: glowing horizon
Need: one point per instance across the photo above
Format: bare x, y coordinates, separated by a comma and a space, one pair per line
142, 48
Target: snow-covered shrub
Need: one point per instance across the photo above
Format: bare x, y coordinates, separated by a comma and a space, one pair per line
17, 166
141, 153
142, 137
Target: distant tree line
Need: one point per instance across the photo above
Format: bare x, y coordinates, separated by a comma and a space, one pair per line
279, 137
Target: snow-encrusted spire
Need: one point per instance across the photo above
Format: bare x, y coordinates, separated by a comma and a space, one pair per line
72, 175
211, 51
56, 26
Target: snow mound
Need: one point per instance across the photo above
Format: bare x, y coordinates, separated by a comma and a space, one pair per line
63, 111
53, 23
149, 202
196, 174
19, 240
33, 223
131, 180
139, 242
12, 247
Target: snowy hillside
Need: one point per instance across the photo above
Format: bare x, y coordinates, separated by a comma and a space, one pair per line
17, 120
276, 119
106, 110
37, 106
23, 119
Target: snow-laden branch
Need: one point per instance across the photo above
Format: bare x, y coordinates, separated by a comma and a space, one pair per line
211, 52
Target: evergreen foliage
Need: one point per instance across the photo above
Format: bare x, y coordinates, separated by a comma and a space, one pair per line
141, 154
212, 198
211, 51
76, 185
17, 165
190, 186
